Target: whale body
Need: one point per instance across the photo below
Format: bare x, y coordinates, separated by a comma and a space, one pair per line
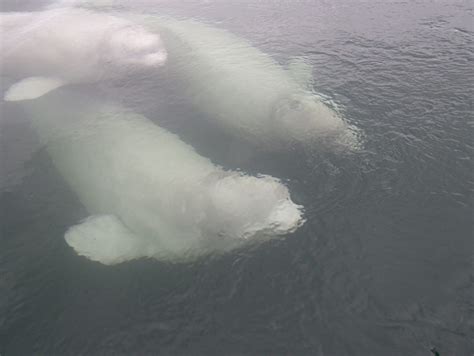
149, 193
48, 49
241, 88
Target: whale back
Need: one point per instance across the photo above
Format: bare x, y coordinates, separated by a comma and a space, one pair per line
243, 90
174, 202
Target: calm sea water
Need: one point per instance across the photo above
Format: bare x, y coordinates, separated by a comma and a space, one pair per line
383, 265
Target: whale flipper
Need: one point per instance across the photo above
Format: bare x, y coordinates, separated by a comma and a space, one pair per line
104, 238
32, 88
302, 72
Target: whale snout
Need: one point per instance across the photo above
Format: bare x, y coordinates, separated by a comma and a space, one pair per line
305, 119
156, 59
243, 206
139, 47
148, 50
285, 217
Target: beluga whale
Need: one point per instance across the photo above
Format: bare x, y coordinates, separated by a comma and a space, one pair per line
148, 193
243, 90
45, 50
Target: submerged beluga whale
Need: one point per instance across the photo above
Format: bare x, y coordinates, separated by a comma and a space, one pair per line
46, 50
244, 90
150, 194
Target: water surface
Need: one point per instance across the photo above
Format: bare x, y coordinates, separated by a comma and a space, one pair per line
383, 264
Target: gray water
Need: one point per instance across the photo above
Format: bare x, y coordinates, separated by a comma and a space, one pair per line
383, 264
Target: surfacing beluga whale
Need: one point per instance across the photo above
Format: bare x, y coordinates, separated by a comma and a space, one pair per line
244, 90
150, 194
48, 49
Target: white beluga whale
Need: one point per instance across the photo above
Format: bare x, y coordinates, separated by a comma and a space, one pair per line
46, 50
148, 193
244, 90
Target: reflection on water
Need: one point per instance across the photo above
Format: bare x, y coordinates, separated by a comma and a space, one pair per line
362, 112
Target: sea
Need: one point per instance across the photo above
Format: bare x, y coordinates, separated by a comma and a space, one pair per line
383, 264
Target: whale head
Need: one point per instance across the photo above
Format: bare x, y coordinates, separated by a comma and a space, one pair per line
134, 46
241, 206
302, 118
